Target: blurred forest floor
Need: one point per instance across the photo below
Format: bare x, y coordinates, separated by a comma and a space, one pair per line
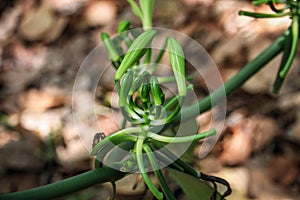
42, 45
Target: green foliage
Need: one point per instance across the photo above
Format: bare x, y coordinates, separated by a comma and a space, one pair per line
289, 8
144, 12
112, 52
144, 105
178, 65
193, 188
135, 52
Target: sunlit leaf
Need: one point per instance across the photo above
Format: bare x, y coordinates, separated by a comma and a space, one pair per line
124, 25
112, 52
126, 86
177, 62
135, 52
157, 93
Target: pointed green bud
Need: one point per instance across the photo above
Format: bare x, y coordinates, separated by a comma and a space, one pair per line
112, 51
124, 25
135, 52
157, 93
125, 88
177, 62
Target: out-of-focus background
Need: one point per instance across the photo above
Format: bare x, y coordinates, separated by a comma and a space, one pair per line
44, 42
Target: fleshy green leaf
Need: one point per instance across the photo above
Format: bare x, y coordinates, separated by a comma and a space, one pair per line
135, 32
126, 86
135, 52
144, 94
177, 62
157, 93
124, 25
144, 78
112, 52
193, 188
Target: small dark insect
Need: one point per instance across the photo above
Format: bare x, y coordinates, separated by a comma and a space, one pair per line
97, 138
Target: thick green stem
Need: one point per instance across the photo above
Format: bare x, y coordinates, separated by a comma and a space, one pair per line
67, 186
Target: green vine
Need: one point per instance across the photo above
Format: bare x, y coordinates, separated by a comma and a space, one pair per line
145, 106
287, 8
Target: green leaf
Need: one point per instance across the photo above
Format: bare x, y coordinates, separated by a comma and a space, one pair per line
157, 93
177, 62
135, 32
148, 56
193, 188
135, 8
124, 25
135, 52
138, 81
125, 88
144, 94
112, 52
